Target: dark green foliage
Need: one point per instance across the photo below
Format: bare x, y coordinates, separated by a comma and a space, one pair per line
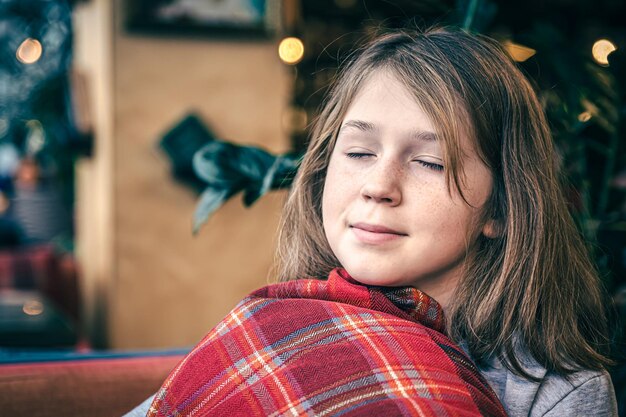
228, 169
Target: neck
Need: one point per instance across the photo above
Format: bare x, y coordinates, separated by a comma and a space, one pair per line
441, 290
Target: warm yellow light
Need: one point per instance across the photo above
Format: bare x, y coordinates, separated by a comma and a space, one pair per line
29, 51
584, 117
291, 50
33, 307
601, 50
519, 53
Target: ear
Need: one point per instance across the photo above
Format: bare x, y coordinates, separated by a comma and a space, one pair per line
492, 229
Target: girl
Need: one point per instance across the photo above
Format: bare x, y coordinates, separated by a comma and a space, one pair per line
431, 181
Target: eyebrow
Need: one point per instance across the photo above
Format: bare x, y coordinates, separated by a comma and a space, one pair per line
422, 135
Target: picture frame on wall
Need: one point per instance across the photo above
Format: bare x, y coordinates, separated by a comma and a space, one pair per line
211, 18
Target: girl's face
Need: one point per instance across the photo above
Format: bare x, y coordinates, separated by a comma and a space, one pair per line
388, 215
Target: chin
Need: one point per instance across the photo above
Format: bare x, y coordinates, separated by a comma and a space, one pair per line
377, 278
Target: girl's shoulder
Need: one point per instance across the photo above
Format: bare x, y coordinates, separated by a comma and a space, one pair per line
585, 392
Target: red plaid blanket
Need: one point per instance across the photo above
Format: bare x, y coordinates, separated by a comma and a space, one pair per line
328, 348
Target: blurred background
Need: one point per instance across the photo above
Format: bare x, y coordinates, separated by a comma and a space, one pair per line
103, 103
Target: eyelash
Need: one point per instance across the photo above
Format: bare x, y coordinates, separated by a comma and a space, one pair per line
356, 155
430, 165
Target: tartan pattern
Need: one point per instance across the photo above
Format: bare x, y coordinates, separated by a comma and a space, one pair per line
328, 348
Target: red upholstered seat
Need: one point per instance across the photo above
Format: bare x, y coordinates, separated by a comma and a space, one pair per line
94, 387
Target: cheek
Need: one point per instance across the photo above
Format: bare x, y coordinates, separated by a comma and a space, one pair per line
451, 221
329, 196
325, 209
478, 198
333, 184
339, 192
479, 186
463, 226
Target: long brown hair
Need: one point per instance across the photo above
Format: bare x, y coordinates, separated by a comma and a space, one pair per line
533, 283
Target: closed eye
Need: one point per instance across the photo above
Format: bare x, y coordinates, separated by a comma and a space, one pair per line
430, 165
358, 155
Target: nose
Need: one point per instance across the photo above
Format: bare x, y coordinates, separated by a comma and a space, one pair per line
382, 185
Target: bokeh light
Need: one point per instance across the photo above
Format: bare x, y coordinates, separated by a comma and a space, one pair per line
33, 307
29, 51
601, 50
584, 117
291, 50
519, 53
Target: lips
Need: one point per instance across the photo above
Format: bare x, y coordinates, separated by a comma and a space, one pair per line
376, 228
375, 234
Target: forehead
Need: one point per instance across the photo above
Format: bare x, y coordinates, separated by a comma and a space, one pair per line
385, 101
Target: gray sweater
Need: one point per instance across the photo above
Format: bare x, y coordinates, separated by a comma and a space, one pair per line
584, 393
